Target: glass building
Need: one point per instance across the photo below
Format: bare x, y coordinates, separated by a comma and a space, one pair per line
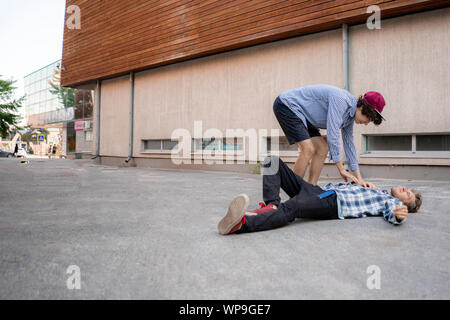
39, 99
70, 110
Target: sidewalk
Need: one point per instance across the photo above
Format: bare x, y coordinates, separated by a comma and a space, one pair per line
140, 233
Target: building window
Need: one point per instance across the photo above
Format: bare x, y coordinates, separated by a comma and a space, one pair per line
88, 136
229, 145
389, 143
414, 145
281, 146
212, 144
152, 145
233, 144
159, 145
433, 142
169, 144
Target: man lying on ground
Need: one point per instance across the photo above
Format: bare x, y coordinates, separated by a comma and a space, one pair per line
342, 201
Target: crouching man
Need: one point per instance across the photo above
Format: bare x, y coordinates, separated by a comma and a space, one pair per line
342, 201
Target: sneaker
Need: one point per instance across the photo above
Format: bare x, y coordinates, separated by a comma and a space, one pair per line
235, 215
263, 208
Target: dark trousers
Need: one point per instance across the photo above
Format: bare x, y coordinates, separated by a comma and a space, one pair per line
304, 199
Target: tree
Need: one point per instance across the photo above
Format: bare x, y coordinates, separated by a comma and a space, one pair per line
66, 95
32, 134
8, 107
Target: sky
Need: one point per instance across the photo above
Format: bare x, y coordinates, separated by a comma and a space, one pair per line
31, 37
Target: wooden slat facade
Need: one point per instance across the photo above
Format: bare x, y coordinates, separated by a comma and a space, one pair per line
118, 36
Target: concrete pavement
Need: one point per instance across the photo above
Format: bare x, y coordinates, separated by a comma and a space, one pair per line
140, 233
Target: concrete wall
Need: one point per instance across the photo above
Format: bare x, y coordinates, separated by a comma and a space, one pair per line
234, 89
114, 117
408, 61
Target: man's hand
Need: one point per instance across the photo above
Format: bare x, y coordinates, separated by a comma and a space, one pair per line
362, 182
347, 175
366, 184
401, 212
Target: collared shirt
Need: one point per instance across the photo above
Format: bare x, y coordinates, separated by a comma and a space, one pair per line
355, 201
327, 107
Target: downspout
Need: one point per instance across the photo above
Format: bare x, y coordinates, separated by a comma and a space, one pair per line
99, 94
346, 70
130, 151
345, 54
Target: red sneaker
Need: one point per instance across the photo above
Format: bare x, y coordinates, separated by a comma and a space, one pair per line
263, 208
235, 216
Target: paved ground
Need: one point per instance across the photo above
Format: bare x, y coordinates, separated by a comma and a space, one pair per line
144, 233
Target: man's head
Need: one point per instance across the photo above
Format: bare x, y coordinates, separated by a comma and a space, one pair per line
410, 198
369, 108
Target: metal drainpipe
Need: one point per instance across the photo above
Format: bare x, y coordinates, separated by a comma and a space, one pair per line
346, 70
99, 94
346, 61
130, 152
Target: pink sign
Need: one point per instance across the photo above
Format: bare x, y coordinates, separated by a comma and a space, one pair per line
79, 125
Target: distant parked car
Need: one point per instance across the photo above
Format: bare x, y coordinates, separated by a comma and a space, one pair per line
4, 154
21, 152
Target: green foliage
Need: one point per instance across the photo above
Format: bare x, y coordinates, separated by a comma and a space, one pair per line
9, 107
31, 135
257, 168
66, 95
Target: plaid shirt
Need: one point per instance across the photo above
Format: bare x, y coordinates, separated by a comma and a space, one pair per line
355, 201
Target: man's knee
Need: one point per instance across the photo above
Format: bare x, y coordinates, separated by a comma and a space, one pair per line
322, 148
307, 148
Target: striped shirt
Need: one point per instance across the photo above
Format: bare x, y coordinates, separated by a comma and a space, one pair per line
355, 201
330, 108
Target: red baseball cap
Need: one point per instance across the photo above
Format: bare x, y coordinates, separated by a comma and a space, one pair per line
376, 101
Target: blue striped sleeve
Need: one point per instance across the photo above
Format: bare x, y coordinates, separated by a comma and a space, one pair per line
388, 212
336, 109
349, 146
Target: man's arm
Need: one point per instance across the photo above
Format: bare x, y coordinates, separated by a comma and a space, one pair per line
350, 152
334, 122
345, 174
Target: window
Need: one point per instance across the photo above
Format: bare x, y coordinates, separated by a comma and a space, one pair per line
159, 145
414, 145
152, 145
211, 144
88, 135
385, 143
433, 142
169, 144
233, 144
229, 145
282, 146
